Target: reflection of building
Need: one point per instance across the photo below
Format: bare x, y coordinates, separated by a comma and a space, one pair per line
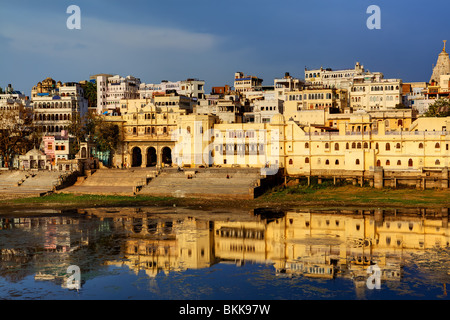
321, 244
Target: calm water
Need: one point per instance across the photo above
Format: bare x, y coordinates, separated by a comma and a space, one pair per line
181, 254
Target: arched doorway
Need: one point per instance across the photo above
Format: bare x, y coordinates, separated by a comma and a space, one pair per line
151, 157
137, 157
166, 156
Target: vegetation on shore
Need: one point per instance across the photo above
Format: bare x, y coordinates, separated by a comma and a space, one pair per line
325, 194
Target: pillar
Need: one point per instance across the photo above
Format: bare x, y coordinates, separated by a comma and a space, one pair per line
378, 178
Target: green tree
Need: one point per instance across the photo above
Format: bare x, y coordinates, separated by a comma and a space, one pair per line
440, 108
90, 93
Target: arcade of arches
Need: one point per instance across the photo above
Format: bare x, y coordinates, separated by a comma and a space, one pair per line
150, 156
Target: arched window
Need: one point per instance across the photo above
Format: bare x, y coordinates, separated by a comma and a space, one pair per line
378, 163
359, 145
437, 162
398, 145
353, 145
410, 163
399, 162
336, 162
327, 145
336, 146
437, 145
421, 145
347, 146
306, 145
291, 162
306, 160
388, 146
327, 162
388, 162
357, 162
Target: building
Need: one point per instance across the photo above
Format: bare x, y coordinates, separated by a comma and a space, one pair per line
112, 89
340, 79
373, 92
286, 84
192, 88
314, 98
244, 83
442, 66
57, 105
264, 110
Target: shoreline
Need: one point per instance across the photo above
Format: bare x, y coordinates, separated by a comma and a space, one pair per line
279, 198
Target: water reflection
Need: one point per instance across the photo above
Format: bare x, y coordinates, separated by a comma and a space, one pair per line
320, 245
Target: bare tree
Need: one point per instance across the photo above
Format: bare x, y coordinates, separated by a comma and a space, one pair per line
17, 132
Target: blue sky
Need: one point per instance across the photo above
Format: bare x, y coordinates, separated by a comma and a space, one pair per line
211, 40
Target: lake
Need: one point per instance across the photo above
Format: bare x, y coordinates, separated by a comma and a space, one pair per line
185, 254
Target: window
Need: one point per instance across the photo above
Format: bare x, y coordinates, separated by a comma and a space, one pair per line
336, 162
357, 162
399, 162
327, 162
306, 160
388, 146
378, 163
388, 162
410, 163
437, 145
306, 145
437, 162
398, 145
291, 162
336, 146
421, 145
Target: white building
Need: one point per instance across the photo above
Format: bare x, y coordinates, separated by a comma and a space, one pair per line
372, 92
112, 89
264, 110
192, 88
12, 99
286, 84
55, 108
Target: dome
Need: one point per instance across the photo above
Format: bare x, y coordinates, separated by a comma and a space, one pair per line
277, 119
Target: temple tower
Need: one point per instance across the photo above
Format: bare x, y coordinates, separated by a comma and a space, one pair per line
442, 66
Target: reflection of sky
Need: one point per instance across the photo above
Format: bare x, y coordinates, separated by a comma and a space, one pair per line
220, 282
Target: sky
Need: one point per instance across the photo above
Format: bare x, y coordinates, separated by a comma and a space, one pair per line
211, 40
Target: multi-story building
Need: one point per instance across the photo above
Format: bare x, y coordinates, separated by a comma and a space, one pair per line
244, 83
286, 84
13, 99
314, 98
373, 92
192, 88
112, 89
56, 105
264, 110
340, 79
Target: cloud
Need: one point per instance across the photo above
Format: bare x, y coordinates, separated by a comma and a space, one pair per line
104, 37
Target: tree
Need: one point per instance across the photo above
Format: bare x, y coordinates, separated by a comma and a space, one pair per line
90, 93
440, 108
17, 132
93, 128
